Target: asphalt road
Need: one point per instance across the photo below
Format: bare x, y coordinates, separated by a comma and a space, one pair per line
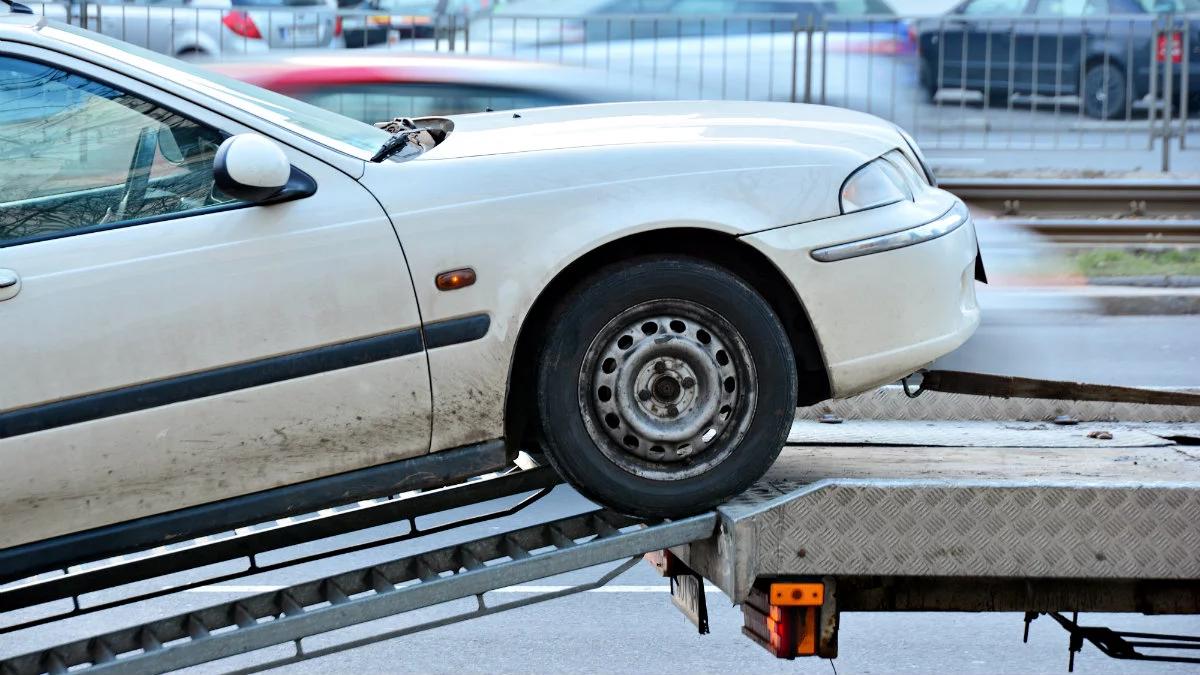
633, 628
1067, 344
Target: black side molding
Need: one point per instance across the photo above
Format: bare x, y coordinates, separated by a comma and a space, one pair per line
209, 383
419, 473
455, 331
242, 376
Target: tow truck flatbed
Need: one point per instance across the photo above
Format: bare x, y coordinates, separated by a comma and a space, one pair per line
965, 513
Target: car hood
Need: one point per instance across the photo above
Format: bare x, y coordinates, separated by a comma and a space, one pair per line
675, 122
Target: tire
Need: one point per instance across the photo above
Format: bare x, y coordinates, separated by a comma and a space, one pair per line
928, 80
1105, 95
699, 376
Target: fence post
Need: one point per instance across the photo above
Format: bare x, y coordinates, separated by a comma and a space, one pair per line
1151, 116
808, 61
1168, 89
1185, 90
795, 55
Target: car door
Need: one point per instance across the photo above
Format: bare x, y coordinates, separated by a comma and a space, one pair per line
975, 42
164, 345
1055, 42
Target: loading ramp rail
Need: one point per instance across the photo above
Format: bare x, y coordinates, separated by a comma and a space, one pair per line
252, 543
368, 593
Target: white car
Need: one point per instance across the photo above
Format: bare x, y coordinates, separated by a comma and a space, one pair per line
220, 305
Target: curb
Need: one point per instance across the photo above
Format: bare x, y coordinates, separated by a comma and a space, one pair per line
890, 403
1149, 281
1160, 305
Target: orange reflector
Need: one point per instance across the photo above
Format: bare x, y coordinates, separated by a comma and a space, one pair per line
461, 278
798, 595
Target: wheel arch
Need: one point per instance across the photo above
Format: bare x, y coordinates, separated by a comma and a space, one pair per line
720, 248
1105, 56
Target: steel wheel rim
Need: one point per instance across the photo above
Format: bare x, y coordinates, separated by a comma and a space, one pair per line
1104, 93
667, 389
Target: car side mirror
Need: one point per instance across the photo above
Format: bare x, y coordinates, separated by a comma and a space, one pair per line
253, 168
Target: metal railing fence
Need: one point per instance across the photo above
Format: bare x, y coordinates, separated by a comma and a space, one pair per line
1094, 83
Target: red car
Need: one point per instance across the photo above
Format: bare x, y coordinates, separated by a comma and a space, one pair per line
383, 85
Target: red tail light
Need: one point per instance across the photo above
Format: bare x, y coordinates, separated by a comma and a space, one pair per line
337, 26
241, 24
1176, 48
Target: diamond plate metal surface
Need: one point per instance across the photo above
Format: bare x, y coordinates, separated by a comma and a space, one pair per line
890, 403
928, 528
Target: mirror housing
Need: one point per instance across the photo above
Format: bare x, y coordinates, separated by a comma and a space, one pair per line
253, 168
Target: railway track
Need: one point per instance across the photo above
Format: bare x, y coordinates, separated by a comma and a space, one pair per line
1089, 210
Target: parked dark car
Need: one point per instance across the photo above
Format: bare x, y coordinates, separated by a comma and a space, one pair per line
1103, 51
708, 17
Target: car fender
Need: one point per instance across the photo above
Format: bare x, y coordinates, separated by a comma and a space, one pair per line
520, 219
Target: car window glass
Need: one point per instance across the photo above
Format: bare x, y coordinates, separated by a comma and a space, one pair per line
76, 153
861, 7
1170, 5
321, 126
994, 7
1070, 8
377, 103
803, 8
702, 7
636, 6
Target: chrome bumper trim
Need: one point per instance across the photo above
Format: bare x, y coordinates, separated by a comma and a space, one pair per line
938, 227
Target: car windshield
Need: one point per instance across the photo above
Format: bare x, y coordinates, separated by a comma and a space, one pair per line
1171, 5
421, 7
330, 129
277, 3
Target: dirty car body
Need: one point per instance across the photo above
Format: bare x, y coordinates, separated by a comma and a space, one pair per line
657, 285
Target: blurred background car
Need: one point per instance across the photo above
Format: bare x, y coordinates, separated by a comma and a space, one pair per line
205, 28
380, 86
373, 22
838, 15
872, 23
1097, 50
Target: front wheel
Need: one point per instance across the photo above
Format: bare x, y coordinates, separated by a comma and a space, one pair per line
1104, 93
665, 386
928, 80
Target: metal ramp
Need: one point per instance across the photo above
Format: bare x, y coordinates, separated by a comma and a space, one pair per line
250, 544
368, 593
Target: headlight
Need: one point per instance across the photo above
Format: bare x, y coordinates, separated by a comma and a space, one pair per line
877, 183
916, 151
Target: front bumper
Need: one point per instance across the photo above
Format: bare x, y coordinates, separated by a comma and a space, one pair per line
880, 315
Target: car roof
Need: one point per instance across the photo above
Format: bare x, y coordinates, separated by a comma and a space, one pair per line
11, 21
